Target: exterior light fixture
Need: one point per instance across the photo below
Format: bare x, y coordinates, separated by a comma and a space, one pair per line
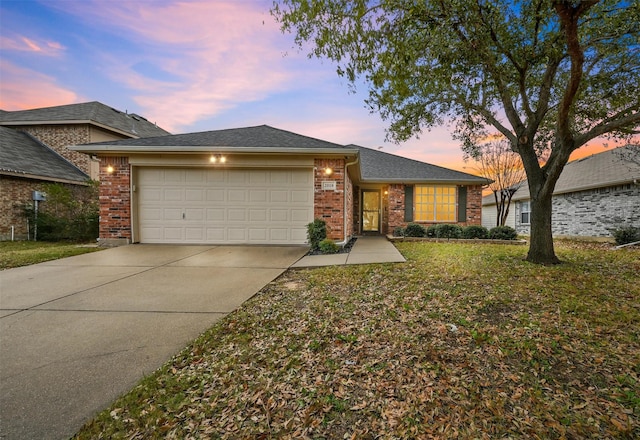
223, 159
213, 159
217, 158
328, 171
109, 169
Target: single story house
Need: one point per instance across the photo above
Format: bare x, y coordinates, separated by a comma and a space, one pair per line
593, 195
262, 185
34, 150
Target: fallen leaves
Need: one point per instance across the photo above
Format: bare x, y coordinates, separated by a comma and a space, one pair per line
444, 346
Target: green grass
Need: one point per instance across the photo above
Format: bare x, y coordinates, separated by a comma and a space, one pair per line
462, 341
24, 253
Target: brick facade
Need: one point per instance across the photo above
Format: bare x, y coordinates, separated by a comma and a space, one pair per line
328, 203
115, 200
59, 137
395, 207
15, 195
590, 213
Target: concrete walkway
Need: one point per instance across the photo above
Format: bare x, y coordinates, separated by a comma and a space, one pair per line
76, 333
366, 250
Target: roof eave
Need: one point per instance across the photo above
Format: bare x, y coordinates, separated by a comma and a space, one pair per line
24, 175
102, 149
72, 121
417, 181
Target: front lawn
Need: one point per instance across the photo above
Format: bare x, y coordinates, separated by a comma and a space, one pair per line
24, 253
462, 341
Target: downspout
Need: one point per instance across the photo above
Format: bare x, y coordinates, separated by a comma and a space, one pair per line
346, 165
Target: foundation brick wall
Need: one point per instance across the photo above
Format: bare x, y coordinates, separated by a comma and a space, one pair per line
15, 195
329, 204
591, 213
59, 137
115, 199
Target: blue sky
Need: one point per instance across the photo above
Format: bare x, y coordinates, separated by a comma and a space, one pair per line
190, 65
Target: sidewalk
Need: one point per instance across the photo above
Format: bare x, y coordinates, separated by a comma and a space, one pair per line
366, 250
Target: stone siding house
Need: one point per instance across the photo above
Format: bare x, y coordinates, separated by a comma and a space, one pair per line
592, 196
34, 151
262, 185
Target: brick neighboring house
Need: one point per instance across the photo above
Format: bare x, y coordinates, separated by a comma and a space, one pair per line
262, 185
593, 195
34, 150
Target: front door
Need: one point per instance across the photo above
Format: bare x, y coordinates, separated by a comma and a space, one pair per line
370, 211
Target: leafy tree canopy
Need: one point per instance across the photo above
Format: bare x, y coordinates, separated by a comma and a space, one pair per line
549, 75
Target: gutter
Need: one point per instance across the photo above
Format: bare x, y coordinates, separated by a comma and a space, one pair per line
156, 149
344, 227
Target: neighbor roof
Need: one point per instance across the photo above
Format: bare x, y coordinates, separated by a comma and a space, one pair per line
609, 168
261, 138
378, 166
23, 155
87, 112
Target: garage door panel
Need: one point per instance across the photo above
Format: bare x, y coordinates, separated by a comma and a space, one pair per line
258, 215
237, 215
236, 195
300, 197
172, 195
224, 206
300, 215
216, 195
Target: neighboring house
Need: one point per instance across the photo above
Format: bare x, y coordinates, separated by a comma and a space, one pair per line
592, 196
64, 125
261, 185
25, 165
34, 150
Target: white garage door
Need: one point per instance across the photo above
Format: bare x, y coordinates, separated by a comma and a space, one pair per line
224, 206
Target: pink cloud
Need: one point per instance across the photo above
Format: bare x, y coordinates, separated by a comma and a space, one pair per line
22, 89
30, 44
210, 56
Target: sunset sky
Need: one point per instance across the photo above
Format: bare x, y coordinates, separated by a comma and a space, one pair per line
190, 66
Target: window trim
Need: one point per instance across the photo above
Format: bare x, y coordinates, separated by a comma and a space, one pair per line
436, 203
526, 204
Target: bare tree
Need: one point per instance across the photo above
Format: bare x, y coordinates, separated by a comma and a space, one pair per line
496, 161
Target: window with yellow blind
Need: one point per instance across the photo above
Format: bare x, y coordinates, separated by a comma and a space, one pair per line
435, 203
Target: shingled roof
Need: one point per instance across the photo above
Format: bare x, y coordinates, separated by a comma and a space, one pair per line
23, 155
609, 168
379, 166
87, 112
252, 139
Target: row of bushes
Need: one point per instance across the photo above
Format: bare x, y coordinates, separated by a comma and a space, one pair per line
456, 231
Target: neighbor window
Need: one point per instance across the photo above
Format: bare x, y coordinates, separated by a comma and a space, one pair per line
525, 213
435, 203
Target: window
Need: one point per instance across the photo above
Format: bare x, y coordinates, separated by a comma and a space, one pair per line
525, 213
435, 203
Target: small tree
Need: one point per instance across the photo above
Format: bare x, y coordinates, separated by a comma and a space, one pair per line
496, 161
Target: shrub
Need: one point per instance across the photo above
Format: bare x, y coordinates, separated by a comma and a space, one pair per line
475, 231
503, 233
68, 214
398, 231
316, 232
448, 231
626, 234
414, 230
431, 231
328, 246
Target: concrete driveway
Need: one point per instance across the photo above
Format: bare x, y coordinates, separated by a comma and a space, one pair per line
77, 333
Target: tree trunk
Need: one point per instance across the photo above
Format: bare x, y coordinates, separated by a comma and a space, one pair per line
541, 250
